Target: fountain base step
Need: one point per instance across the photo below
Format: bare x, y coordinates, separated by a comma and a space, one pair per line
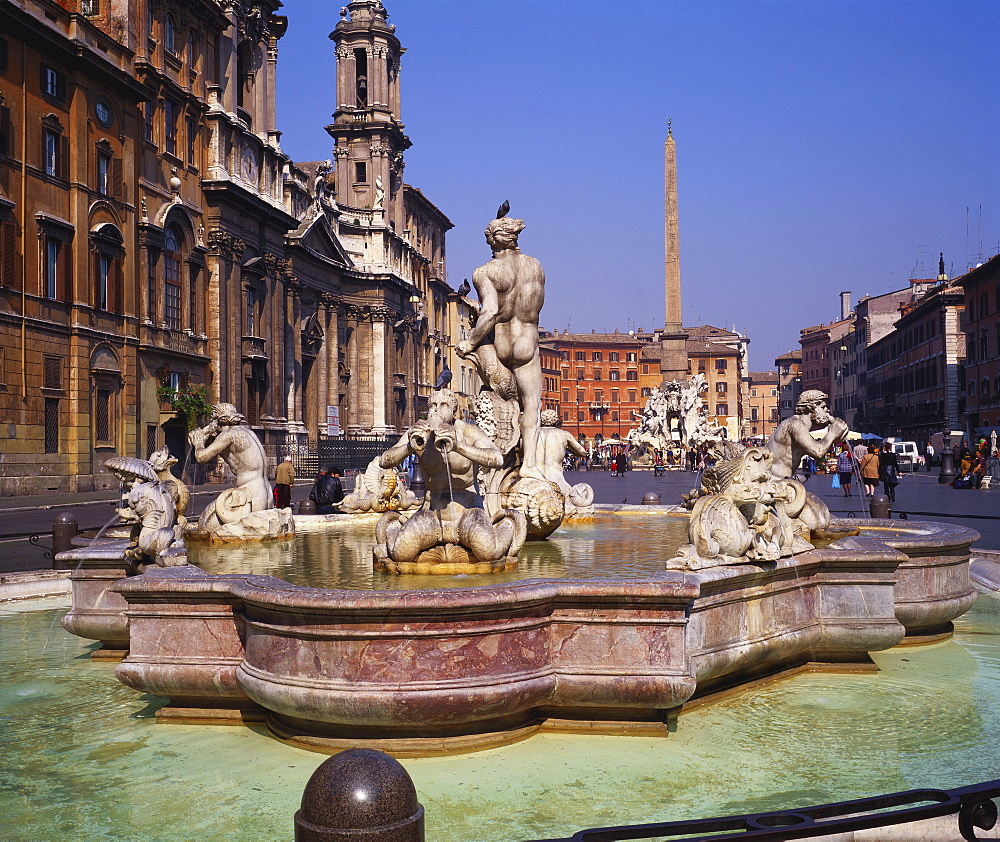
177, 715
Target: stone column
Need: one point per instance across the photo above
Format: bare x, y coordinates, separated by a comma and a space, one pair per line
332, 351
353, 421
379, 375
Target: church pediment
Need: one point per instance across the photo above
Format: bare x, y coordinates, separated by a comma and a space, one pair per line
319, 238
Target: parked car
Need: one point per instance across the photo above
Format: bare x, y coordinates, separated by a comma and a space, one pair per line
907, 454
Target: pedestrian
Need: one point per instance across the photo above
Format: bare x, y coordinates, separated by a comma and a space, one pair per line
860, 452
845, 469
869, 470
978, 469
284, 478
929, 456
888, 471
327, 491
807, 466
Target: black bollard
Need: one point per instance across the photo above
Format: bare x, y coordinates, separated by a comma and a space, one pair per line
64, 530
360, 794
879, 507
307, 507
651, 498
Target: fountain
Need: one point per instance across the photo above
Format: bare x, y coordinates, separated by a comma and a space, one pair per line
508, 655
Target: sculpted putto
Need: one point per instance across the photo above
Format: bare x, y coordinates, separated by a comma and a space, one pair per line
152, 506
553, 442
451, 533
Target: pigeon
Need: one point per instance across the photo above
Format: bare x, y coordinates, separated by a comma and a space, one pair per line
503, 209
625, 500
464, 288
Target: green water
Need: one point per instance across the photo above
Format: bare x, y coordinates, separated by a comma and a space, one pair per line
340, 556
81, 758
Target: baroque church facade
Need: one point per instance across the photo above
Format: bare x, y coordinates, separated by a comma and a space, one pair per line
157, 243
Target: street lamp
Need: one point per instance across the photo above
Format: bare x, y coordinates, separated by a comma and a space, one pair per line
948, 457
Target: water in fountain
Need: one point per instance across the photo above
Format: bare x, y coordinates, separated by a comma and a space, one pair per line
83, 758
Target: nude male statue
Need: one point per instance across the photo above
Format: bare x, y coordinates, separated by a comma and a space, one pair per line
504, 342
228, 436
792, 439
450, 453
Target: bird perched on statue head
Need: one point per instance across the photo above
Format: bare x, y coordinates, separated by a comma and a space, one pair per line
464, 288
504, 209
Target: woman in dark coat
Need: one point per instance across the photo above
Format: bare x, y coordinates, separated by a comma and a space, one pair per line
888, 471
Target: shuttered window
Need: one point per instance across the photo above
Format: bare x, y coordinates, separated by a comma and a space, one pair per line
52, 425
52, 373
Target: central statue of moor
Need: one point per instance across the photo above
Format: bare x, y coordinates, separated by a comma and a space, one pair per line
504, 342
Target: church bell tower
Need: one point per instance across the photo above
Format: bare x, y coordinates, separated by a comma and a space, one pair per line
366, 129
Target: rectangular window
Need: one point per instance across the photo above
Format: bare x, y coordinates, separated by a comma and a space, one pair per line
192, 137
598, 395
722, 409
172, 305
103, 282
6, 135
631, 395
150, 438
720, 365
631, 375
52, 152
360, 171
170, 110
103, 173
580, 397
565, 395
53, 83
251, 312
721, 387
52, 425
52, 268
102, 415
595, 356
579, 374
52, 373
193, 300
90, 8
613, 356
614, 374
645, 368
614, 416
647, 392
614, 396
581, 356
151, 286
597, 375
579, 415
753, 413
149, 115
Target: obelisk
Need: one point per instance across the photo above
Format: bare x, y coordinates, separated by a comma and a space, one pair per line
673, 347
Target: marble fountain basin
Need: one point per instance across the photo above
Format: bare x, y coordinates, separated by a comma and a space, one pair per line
461, 668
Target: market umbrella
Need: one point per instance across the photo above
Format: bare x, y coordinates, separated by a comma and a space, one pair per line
870, 437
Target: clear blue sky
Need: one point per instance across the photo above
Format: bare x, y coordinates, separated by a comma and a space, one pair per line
822, 145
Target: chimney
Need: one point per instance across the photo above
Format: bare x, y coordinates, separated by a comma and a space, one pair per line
845, 305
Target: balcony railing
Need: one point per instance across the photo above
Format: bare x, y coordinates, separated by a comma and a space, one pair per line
254, 349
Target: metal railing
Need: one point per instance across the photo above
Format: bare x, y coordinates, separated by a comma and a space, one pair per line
972, 806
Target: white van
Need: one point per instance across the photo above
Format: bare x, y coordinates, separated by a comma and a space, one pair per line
907, 454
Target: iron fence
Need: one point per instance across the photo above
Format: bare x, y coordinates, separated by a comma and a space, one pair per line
971, 805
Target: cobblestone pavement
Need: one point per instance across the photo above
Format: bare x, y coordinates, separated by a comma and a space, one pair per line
919, 496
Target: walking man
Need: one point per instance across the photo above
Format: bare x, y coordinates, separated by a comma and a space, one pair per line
284, 477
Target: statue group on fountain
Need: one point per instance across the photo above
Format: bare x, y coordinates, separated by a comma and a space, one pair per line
491, 485
750, 507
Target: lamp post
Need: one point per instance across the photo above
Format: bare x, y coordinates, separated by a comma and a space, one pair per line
948, 457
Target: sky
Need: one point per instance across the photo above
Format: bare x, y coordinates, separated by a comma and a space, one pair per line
822, 145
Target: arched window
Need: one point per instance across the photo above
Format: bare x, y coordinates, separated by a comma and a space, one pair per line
170, 35
173, 244
107, 252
